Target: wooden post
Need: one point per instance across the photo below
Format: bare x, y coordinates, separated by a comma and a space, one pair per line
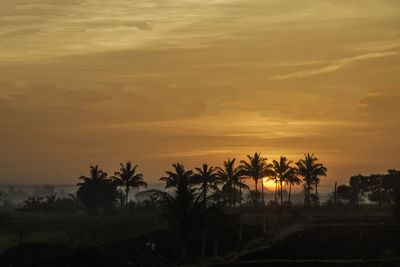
335, 194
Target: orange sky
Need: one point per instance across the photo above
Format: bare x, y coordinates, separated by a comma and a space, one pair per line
100, 82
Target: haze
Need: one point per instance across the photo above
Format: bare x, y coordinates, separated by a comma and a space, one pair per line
155, 82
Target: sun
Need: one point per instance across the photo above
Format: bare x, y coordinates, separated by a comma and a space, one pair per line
269, 184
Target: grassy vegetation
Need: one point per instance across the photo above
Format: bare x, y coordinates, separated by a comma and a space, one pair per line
79, 230
265, 234
75, 230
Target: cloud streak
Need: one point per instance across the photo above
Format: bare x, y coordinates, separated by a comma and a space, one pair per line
336, 65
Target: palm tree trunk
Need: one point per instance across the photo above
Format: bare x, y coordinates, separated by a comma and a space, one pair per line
230, 196
232, 200
262, 192
126, 197
234, 195
183, 238
256, 196
240, 195
203, 243
276, 190
290, 191
281, 192
205, 194
308, 193
316, 194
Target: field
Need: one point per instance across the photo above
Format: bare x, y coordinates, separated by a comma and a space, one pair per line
295, 236
74, 230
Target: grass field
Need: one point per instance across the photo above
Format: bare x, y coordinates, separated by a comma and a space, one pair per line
75, 230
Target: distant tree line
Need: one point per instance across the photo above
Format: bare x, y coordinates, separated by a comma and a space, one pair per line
52, 203
379, 188
99, 192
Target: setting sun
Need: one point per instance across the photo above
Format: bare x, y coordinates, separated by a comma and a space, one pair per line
268, 184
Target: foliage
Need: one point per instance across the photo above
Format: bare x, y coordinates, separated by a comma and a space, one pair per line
376, 187
97, 192
310, 170
206, 177
51, 203
173, 178
231, 178
283, 173
127, 178
255, 168
186, 209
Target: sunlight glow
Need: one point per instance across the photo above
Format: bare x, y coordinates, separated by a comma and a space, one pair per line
268, 184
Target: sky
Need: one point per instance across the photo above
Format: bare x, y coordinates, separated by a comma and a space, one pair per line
86, 82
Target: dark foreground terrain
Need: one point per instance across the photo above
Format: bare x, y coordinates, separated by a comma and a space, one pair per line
320, 239
128, 252
326, 245
332, 245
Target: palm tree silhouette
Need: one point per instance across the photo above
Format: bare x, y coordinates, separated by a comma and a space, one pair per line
185, 205
268, 172
310, 170
173, 178
127, 177
95, 174
231, 177
206, 177
283, 171
274, 178
292, 180
97, 191
255, 169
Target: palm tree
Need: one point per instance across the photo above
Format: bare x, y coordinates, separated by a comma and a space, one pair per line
255, 169
97, 191
95, 174
179, 174
207, 178
310, 170
231, 177
275, 179
283, 171
186, 211
292, 180
268, 172
127, 177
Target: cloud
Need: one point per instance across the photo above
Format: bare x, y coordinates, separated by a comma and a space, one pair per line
21, 33
382, 107
336, 65
78, 27
100, 82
